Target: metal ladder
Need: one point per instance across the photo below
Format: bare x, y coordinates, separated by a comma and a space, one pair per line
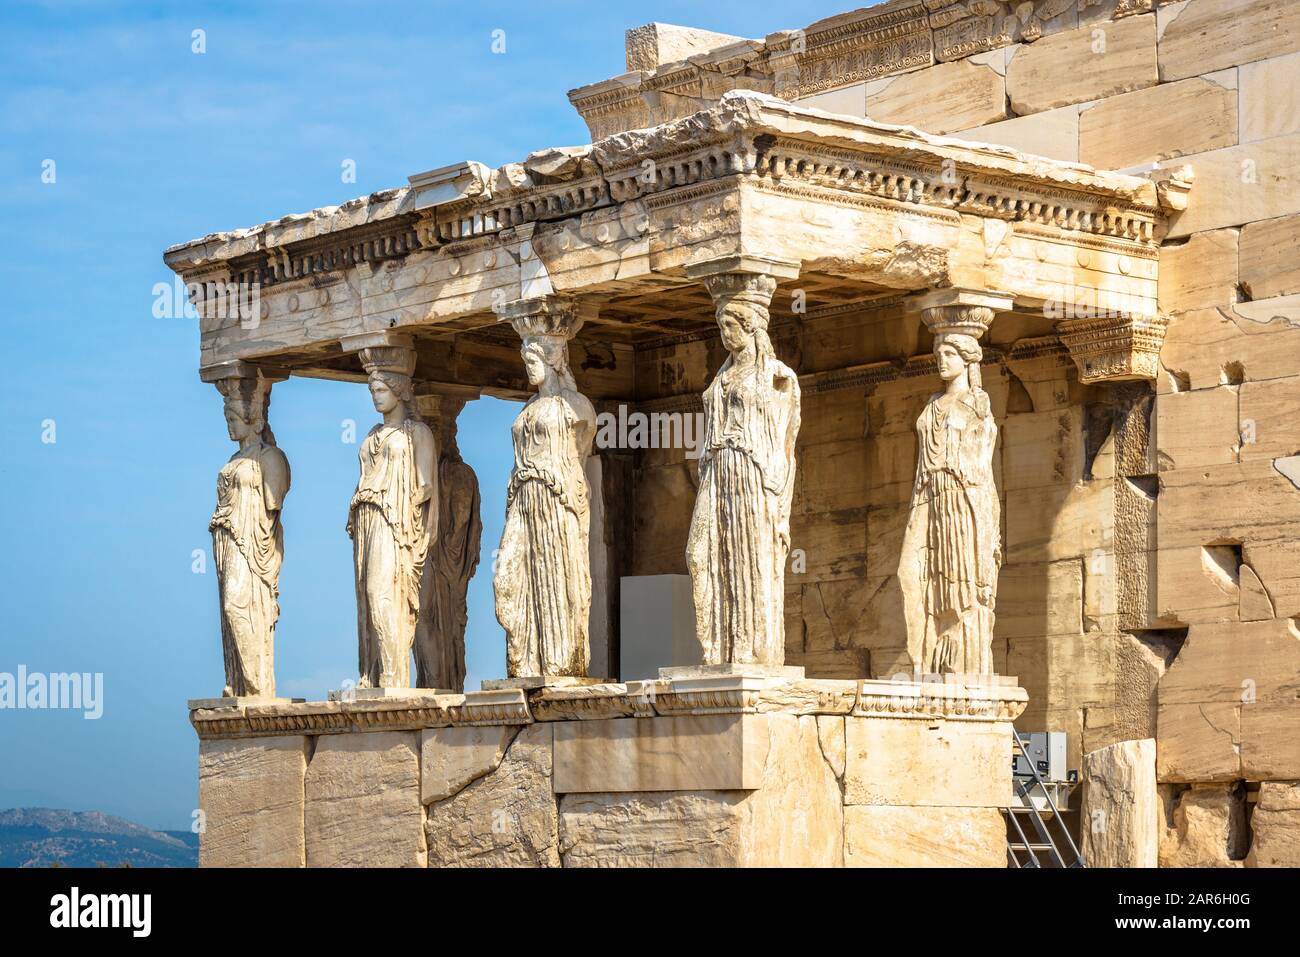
1045, 843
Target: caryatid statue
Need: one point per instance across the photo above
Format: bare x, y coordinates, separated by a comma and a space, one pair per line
247, 538
740, 530
393, 520
453, 557
952, 547
543, 573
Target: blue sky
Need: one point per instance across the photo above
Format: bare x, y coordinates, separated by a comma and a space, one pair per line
152, 145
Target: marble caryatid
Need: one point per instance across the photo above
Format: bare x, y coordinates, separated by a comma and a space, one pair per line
740, 530
948, 569
393, 519
453, 557
543, 574
247, 538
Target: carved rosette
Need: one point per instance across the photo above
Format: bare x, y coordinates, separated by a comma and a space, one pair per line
1114, 348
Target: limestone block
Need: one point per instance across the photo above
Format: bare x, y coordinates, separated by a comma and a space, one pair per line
1269, 429
652, 829
830, 735
684, 753
1275, 826
1198, 742
891, 464
1061, 673
884, 630
1241, 184
1270, 97
1195, 115
1197, 428
832, 543
661, 520
793, 818
1194, 585
1226, 705
841, 663
363, 801
945, 97
1270, 256
1056, 522
832, 475
1084, 64
849, 100
1277, 563
1042, 448
1052, 133
1237, 502
927, 763
507, 818
1270, 747
1207, 347
1205, 826
1040, 599
1198, 273
451, 758
832, 417
1121, 809
1130, 714
831, 613
654, 44
884, 836
251, 796
893, 407
1203, 35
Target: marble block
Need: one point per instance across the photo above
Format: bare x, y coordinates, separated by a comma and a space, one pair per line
237, 701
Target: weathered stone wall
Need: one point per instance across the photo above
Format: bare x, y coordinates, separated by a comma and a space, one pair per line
1148, 529
1211, 527
698, 772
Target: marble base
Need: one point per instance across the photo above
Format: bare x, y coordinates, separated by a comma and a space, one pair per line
534, 682
719, 770
380, 694
962, 679
238, 701
785, 672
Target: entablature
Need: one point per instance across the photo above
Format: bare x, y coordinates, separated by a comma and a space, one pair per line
868, 210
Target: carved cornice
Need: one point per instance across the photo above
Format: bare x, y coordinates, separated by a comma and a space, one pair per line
747, 140
1115, 348
387, 714
849, 48
948, 696
1000, 701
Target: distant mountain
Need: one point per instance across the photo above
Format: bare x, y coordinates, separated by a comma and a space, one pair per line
41, 837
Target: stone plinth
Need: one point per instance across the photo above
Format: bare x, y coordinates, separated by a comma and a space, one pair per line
716, 770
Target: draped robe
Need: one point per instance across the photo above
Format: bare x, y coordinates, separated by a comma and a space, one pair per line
951, 547
543, 577
248, 549
392, 521
740, 529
